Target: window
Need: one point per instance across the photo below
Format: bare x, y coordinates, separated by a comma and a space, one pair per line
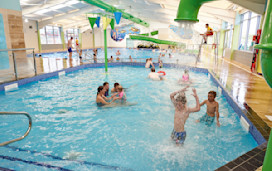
50, 35
250, 22
71, 33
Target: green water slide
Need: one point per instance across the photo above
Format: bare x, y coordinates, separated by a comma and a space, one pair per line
158, 41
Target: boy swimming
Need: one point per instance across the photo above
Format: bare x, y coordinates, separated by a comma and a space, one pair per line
212, 110
182, 113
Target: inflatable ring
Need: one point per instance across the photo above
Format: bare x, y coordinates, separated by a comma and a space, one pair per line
162, 72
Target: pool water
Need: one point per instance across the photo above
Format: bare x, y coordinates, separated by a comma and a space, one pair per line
138, 55
67, 123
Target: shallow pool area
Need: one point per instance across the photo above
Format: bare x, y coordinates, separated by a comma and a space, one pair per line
67, 123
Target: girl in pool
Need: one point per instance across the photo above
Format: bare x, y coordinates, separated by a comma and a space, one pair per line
185, 77
121, 94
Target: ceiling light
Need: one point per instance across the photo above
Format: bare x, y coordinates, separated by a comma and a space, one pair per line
26, 20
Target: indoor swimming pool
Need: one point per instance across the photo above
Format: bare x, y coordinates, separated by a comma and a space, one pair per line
70, 132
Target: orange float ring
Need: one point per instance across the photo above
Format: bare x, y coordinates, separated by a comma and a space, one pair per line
162, 72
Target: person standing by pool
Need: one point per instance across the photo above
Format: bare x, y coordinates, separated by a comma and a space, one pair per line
212, 110
77, 45
182, 113
70, 46
100, 101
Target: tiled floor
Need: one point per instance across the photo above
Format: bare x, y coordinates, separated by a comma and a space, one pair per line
249, 90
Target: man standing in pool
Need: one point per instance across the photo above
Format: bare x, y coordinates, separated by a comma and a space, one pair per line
182, 113
212, 108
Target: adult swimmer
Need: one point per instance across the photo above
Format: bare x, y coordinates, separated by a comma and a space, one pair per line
100, 101
155, 76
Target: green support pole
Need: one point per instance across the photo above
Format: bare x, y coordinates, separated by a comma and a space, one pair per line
62, 38
267, 164
39, 37
105, 48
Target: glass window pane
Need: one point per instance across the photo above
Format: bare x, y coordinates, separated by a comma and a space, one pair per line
49, 35
57, 37
243, 37
252, 32
246, 16
42, 36
253, 15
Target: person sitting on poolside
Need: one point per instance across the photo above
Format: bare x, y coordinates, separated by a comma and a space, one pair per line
182, 113
154, 76
118, 53
209, 32
114, 89
212, 110
100, 101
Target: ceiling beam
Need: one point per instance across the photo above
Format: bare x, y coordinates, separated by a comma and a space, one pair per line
35, 8
217, 11
65, 16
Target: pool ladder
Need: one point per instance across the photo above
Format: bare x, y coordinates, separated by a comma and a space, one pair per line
26, 133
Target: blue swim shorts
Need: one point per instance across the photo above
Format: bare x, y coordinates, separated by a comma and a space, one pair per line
207, 119
179, 137
70, 50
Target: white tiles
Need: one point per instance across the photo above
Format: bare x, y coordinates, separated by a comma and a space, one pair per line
244, 123
11, 87
61, 73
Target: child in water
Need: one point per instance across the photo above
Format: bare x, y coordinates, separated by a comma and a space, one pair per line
185, 76
121, 94
160, 63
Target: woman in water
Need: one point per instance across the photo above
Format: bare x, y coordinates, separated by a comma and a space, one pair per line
100, 101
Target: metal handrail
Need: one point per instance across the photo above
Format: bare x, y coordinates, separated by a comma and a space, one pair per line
26, 133
2, 50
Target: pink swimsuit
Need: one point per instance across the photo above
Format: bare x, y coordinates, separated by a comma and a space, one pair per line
185, 77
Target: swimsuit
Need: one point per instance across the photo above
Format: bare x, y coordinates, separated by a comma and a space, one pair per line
185, 77
70, 50
206, 118
179, 137
99, 104
106, 93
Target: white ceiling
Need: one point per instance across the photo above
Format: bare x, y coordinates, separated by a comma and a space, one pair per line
72, 13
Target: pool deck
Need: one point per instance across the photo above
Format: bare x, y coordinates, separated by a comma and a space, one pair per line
248, 90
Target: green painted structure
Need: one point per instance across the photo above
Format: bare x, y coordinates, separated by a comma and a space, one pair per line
112, 9
188, 10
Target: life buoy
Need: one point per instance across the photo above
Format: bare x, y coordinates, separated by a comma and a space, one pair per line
162, 72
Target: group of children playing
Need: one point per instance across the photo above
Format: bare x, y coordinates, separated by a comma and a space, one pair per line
182, 111
117, 94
